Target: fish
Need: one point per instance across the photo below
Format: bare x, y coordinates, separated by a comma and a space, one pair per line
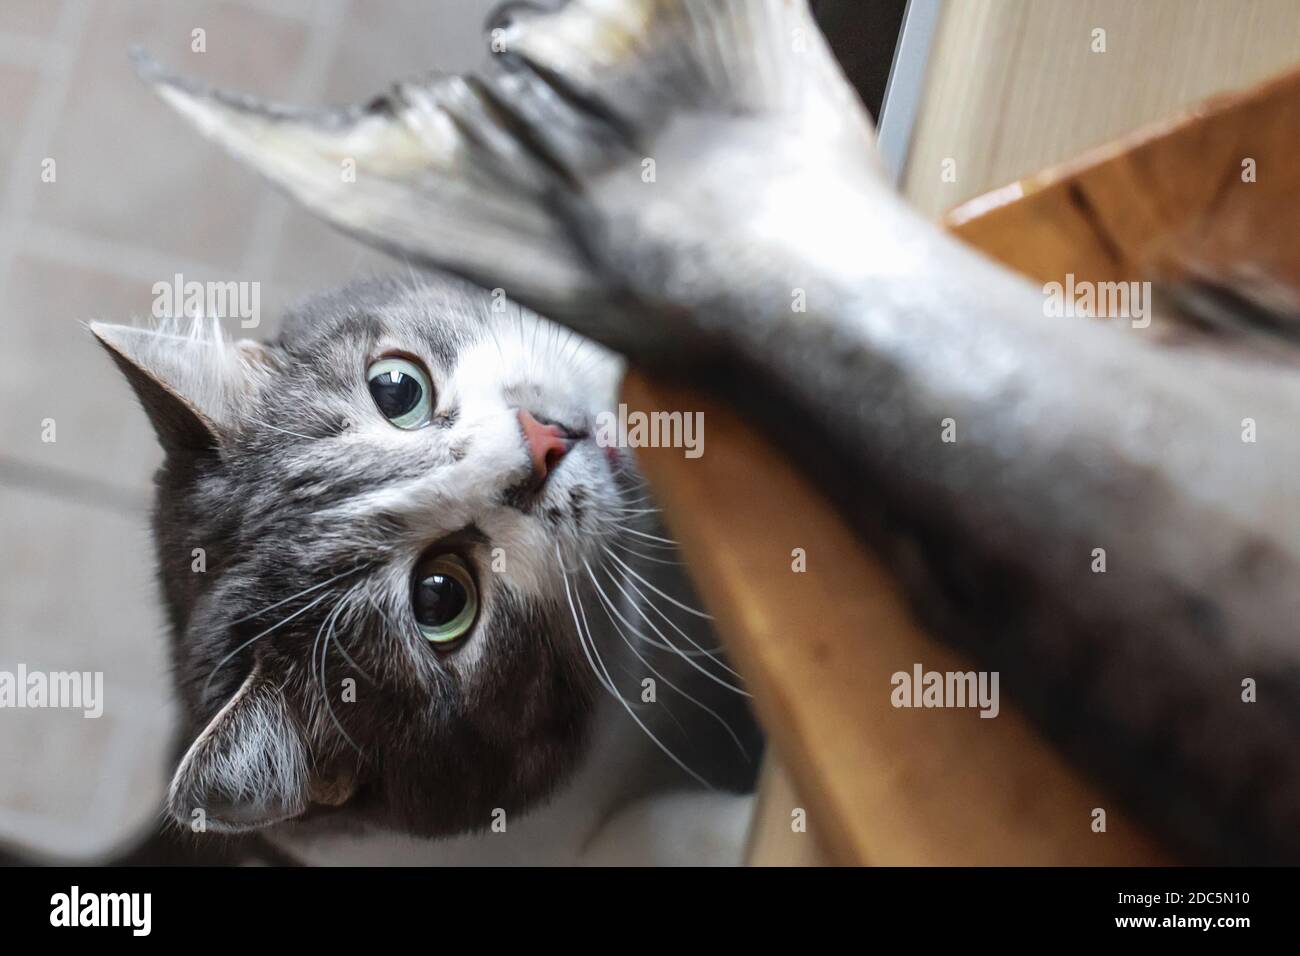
1109, 522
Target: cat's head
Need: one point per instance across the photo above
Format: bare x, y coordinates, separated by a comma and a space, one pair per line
360, 528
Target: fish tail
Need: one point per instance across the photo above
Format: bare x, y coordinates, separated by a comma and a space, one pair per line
498, 175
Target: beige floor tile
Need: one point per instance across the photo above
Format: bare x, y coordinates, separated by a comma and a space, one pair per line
78, 595
313, 257
136, 192
75, 787
54, 369
129, 170
411, 37
31, 18
17, 90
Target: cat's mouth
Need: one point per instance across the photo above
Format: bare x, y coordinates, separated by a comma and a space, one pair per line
548, 443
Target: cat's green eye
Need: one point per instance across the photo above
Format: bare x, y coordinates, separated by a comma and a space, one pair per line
401, 390
444, 599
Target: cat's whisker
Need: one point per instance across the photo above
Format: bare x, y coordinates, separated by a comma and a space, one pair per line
609, 684
636, 483
646, 557
257, 637
616, 532
663, 542
293, 597
621, 516
325, 647
552, 337
343, 650
563, 345
596, 659
636, 606
496, 339
613, 542
569, 596
410, 271
647, 540
519, 325
667, 597
316, 642
641, 499
583, 365
645, 638
571, 349
599, 665
647, 602
604, 602
277, 428
611, 612
532, 352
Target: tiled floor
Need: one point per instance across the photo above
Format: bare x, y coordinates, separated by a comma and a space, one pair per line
136, 198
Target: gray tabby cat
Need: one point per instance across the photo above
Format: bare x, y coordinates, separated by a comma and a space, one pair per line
432, 604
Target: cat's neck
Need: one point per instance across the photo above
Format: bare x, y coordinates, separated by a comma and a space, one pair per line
618, 768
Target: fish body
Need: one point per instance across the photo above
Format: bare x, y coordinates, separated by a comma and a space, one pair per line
1110, 523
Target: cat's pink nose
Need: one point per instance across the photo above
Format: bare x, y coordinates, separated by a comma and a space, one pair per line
547, 444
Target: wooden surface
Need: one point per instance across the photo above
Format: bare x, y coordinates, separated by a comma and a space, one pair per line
1213, 196
882, 785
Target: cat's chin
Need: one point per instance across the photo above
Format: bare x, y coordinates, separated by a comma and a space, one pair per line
322, 819
356, 816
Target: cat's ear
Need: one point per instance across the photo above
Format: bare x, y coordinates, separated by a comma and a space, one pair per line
248, 768
191, 384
